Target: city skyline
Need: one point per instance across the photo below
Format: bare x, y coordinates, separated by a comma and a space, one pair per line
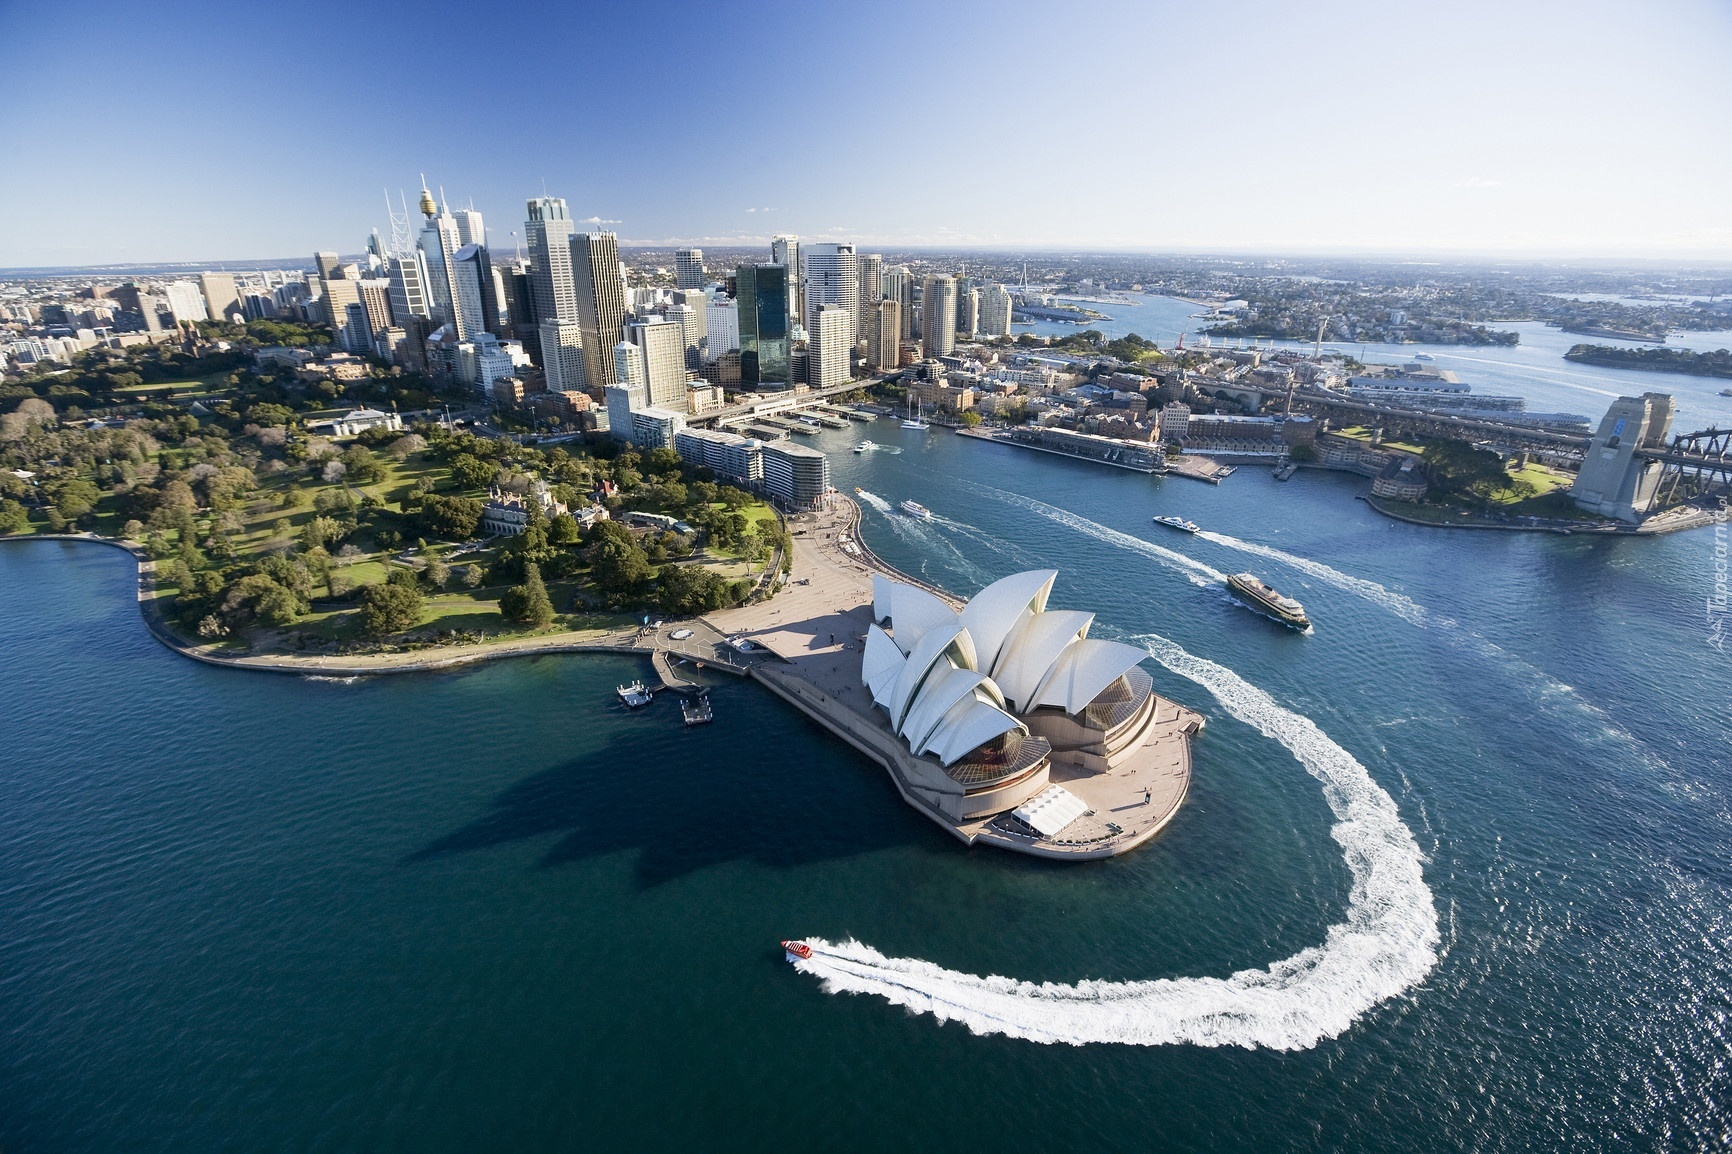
1469, 130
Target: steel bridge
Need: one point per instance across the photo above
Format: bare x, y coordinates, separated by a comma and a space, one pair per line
1692, 464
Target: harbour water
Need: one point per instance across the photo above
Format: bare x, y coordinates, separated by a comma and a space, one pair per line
1535, 368
491, 910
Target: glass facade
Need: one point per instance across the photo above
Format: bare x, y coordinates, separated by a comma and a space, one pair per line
763, 308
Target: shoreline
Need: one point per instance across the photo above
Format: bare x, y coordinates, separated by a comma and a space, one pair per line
1677, 520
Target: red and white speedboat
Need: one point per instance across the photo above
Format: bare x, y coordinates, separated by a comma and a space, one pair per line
797, 950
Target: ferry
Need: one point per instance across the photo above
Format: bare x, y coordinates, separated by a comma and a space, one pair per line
864, 447
797, 950
1726, 392
634, 695
1268, 602
1178, 523
916, 510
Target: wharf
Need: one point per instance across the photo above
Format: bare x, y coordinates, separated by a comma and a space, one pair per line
1198, 468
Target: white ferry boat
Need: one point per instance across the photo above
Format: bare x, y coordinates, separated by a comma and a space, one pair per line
1178, 523
916, 510
865, 447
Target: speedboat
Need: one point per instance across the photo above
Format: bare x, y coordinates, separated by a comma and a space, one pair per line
864, 447
1178, 523
916, 510
797, 950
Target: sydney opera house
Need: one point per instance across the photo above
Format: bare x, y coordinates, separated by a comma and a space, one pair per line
1015, 722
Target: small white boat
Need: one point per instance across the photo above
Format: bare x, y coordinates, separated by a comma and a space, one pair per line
916, 510
864, 447
634, 695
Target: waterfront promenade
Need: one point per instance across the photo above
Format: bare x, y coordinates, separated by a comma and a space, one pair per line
806, 644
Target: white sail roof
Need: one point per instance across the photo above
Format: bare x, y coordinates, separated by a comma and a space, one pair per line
969, 724
1032, 651
951, 643
914, 612
882, 592
1086, 667
995, 612
881, 664
943, 689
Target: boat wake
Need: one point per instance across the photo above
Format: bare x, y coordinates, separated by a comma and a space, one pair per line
1404, 607
1195, 571
925, 534
1387, 943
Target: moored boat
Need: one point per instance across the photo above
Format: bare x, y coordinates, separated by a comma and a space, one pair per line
1269, 602
634, 695
1178, 523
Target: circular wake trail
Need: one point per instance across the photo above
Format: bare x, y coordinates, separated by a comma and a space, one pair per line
1386, 943
1403, 607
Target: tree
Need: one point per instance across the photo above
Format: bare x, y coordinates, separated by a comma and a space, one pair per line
14, 518
470, 472
970, 419
528, 603
362, 468
436, 573
389, 608
471, 575
619, 567
454, 518
563, 530
689, 589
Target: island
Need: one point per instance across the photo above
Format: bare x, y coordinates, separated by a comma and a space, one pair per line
1710, 364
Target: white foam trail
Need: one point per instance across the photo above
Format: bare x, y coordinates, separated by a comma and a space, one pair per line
1404, 607
1195, 571
875, 501
922, 533
1387, 943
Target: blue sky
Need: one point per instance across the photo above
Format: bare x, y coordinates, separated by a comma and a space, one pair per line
192, 131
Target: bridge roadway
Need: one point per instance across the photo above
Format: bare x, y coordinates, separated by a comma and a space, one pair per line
744, 410
1439, 424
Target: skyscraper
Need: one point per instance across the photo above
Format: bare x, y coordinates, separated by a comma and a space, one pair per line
721, 327
187, 303
832, 341
832, 278
548, 233
326, 263
408, 277
662, 348
785, 251
886, 336
994, 311
470, 229
699, 302
562, 357
871, 266
899, 287
475, 310
690, 321
220, 293
938, 315
967, 310
762, 296
439, 243
600, 285
689, 268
